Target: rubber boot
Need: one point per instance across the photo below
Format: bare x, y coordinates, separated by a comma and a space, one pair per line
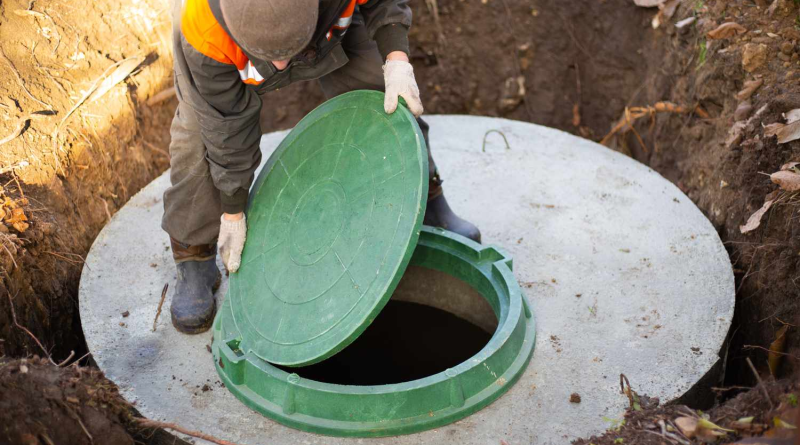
193, 305
439, 214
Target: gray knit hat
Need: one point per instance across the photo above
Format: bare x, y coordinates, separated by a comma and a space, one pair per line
271, 29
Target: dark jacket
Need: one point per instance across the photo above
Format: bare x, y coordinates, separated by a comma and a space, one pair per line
222, 83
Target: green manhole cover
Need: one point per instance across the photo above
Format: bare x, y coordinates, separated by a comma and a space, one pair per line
401, 408
333, 220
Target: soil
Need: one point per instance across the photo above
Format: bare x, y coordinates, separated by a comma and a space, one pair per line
574, 66
44, 404
644, 427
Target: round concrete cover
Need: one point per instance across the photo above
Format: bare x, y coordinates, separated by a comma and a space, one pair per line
333, 220
624, 273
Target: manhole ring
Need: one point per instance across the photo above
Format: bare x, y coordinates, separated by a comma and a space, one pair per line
403, 408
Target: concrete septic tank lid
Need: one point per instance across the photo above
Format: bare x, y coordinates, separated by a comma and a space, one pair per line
333, 220
623, 272
400, 408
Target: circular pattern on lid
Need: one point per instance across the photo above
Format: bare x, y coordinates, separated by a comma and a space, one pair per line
333, 219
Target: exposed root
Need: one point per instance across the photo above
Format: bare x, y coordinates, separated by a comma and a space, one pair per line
632, 114
24, 329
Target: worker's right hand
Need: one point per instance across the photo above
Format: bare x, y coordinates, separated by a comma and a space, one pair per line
232, 233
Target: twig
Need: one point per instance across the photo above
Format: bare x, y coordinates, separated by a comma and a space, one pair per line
663, 436
760, 382
9, 254
147, 423
517, 66
153, 147
770, 351
22, 82
45, 71
78, 361
483, 149
24, 329
161, 96
19, 187
160, 303
433, 8
71, 261
66, 360
730, 388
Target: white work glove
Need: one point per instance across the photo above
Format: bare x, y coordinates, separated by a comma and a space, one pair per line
231, 242
398, 76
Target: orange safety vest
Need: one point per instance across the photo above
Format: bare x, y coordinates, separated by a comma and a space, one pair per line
201, 29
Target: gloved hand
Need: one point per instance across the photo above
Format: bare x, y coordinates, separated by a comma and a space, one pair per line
398, 76
231, 242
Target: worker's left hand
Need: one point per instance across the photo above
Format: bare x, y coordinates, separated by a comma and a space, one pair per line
232, 233
398, 75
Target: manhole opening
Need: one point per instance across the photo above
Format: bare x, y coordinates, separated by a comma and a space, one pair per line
433, 322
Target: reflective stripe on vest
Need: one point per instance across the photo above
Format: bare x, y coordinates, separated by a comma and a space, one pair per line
345, 19
250, 75
201, 29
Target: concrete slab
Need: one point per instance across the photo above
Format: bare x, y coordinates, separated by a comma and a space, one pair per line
624, 272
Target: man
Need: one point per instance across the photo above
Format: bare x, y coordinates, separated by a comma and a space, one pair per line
227, 54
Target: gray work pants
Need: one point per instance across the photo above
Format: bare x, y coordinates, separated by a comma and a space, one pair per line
192, 205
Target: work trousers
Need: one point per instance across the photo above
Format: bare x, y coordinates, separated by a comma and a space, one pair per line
192, 207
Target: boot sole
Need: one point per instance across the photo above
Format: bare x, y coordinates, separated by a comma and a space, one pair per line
191, 330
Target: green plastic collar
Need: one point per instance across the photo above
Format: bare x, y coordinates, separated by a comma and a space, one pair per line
373, 411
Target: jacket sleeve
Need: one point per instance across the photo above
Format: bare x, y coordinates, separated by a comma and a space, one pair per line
388, 22
228, 113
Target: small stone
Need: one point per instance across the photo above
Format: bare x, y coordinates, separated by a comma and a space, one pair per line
754, 56
23, 369
125, 314
787, 48
787, 64
784, 57
575, 398
743, 111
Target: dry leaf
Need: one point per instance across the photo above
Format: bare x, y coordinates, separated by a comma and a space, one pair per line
789, 166
787, 180
120, 73
788, 133
666, 11
687, 425
686, 22
576, 115
792, 116
726, 30
16, 219
750, 87
755, 219
780, 423
779, 345
772, 129
709, 425
735, 134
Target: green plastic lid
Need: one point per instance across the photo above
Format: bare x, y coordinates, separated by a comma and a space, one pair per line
333, 220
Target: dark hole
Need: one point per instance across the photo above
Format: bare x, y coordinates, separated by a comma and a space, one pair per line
408, 341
